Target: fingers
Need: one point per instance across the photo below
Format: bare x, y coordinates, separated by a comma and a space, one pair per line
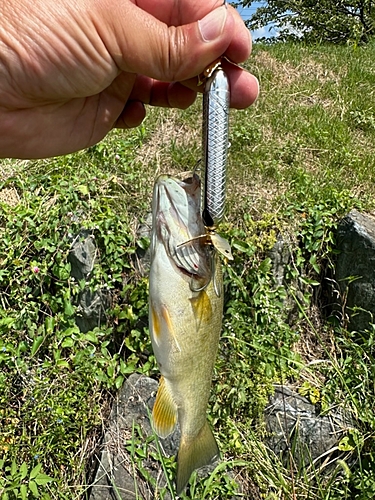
244, 87
149, 91
166, 51
244, 91
240, 45
177, 96
180, 12
163, 94
169, 53
132, 115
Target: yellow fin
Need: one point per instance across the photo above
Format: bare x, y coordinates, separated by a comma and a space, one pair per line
155, 325
168, 321
167, 318
202, 308
164, 413
162, 322
195, 453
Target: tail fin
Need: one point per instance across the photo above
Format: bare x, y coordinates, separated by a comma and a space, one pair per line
194, 453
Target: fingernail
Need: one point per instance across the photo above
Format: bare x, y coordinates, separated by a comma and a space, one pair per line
211, 26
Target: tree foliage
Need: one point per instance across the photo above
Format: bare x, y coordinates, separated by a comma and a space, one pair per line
336, 21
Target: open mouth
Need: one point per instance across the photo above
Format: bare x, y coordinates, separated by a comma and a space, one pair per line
179, 224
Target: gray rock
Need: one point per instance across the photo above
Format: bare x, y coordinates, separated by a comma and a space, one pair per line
280, 255
120, 475
82, 255
293, 423
352, 291
92, 308
355, 269
117, 477
92, 305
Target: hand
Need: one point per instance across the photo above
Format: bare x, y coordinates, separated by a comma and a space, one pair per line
70, 71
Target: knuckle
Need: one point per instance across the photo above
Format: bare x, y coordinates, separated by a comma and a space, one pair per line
175, 61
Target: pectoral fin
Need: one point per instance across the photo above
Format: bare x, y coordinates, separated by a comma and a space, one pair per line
164, 413
202, 309
194, 453
161, 325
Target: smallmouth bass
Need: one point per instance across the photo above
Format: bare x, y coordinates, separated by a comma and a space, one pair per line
186, 308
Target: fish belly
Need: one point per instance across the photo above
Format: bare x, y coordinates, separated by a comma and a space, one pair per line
185, 329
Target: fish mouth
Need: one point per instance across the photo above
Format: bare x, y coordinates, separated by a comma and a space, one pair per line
178, 225
177, 204
176, 188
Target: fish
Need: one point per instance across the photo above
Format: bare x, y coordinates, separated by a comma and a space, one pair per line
185, 311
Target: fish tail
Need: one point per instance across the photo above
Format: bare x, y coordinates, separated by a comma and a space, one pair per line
193, 454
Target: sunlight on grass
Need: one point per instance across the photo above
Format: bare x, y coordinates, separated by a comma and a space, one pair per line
300, 159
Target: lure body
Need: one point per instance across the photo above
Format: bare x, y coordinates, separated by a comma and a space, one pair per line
215, 145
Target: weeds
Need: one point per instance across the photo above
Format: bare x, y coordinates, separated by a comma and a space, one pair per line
299, 160
53, 376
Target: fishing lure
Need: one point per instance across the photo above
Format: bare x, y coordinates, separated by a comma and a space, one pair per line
215, 150
216, 97
215, 144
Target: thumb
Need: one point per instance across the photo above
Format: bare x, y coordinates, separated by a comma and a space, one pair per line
140, 43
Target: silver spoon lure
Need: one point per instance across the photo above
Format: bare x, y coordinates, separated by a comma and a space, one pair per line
216, 98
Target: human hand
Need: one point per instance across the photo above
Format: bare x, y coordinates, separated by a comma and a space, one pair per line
72, 71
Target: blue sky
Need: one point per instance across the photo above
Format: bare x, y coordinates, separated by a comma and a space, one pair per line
246, 12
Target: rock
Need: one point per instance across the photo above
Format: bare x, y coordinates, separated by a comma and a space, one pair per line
352, 294
118, 478
92, 305
294, 424
280, 256
355, 269
120, 475
82, 255
92, 308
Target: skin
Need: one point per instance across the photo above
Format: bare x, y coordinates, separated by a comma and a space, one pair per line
70, 71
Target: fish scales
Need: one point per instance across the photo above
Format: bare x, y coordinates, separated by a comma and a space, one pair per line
185, 320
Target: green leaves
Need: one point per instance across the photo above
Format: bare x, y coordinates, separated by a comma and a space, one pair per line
54, 377
325, 21
18, 482
257, 342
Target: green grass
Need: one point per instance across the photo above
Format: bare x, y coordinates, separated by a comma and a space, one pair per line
300, 159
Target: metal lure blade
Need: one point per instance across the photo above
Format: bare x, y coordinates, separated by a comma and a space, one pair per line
215, 146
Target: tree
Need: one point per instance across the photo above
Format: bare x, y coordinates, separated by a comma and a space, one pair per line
336, 21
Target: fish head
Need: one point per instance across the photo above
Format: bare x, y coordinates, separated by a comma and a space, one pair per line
178, 226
